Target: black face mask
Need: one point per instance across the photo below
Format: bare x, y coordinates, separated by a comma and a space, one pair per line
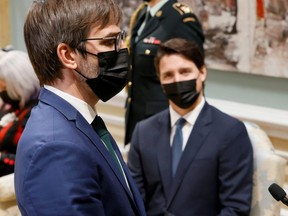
114, 67
7, 100
183, 94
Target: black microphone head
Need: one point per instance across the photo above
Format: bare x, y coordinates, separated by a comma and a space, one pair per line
276, 191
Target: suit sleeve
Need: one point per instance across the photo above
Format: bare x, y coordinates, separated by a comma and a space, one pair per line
135, 163
235, 172
59, 182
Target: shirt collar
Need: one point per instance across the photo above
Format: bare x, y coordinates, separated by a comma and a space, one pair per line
156, 7
190, 117
81, 106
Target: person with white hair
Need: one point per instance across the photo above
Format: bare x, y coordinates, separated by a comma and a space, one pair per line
19, 90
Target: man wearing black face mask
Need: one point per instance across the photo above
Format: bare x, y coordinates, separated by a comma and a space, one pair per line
67, 163
190, 159
155, 22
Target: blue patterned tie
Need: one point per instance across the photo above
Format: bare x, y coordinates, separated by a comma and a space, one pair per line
177, 144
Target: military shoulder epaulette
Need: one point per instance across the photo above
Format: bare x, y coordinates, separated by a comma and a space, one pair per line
182, 8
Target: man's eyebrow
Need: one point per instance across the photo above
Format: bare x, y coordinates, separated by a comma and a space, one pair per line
111, 34
185, 69
166, 72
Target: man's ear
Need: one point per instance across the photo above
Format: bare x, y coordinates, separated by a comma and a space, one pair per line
203, 73
67, 56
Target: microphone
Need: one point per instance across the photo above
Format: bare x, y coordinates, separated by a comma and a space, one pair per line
278, 193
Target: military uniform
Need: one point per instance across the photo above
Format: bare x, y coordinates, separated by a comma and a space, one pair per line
145, 95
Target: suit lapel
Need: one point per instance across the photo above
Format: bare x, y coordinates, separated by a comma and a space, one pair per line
164, 152
137, 25
118, 173
123, 164
139, 21
133, 193
196, 139
81, 124
150, 26
92, 135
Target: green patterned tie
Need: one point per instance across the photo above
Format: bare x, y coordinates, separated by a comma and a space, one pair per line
100, 128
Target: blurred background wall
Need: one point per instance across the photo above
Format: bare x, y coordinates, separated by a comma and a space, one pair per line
243, 88
245, 93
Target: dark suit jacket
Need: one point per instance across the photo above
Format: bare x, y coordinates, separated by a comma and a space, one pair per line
63, 168
145, 95
214, 175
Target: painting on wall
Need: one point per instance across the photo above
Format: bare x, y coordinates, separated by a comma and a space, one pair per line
226, 42
249, 36
270, 39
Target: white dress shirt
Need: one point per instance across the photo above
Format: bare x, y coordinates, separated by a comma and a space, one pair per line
88, 112
190, 121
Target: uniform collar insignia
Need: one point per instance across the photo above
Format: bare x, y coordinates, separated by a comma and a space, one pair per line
159, 13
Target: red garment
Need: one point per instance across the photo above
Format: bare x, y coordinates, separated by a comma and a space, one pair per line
9, 136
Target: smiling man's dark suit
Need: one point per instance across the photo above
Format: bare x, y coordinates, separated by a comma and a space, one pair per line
145, 95
214, 175
67, 154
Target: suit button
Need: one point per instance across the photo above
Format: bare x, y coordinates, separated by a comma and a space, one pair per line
129, 84
147, 52
129, 100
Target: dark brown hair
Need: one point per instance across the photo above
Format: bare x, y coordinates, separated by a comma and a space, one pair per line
51, 22
187, 49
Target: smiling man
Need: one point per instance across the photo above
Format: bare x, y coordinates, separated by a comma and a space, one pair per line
67, 163
190, 159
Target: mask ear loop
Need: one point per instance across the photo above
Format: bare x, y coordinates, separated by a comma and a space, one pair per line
203, 82
85, 51
81, 74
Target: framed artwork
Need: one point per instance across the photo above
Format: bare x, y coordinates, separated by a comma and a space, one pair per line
248, 36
